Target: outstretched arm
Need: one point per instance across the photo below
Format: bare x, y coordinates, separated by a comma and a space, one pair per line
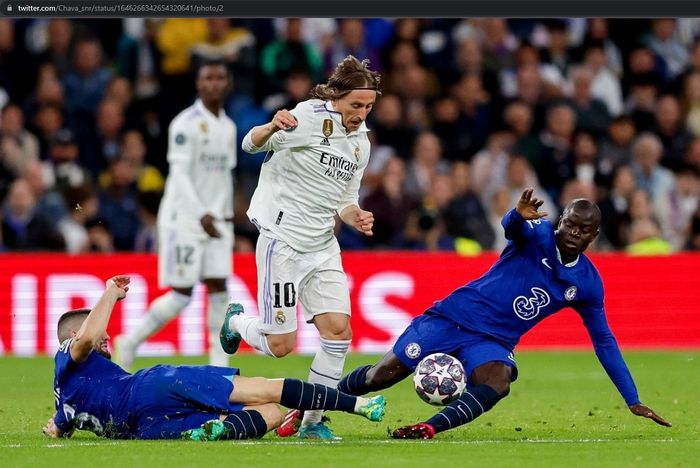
641, 410
528, 205
282, 120
609, 355
525, 211
95, 324
265, 138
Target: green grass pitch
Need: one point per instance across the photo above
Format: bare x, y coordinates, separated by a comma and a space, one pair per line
562, 411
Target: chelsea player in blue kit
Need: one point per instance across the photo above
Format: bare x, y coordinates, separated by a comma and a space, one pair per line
165, 402
540, 272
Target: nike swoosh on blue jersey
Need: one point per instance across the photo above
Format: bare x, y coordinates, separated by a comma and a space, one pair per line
544, 262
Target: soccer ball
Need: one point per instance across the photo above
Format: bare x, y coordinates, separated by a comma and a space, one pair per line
439, 379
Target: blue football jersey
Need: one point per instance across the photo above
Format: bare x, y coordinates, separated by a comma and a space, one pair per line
91, 395
158, 402
529, 283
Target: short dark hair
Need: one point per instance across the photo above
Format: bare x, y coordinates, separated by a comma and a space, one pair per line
66, 321
212, 63
584, 204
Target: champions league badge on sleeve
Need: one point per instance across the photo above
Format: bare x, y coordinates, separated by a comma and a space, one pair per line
570, 293
327, 127
327, 131
180, 138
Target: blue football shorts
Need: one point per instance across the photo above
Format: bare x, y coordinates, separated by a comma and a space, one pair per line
431, 333
167, 400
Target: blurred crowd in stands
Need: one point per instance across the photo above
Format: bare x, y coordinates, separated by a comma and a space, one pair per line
472, 112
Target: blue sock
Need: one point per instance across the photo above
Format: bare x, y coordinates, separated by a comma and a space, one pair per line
308, 396
354, 382
245, 424
472, 404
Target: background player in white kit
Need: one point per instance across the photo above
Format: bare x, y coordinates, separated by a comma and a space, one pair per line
312, 172
195, 231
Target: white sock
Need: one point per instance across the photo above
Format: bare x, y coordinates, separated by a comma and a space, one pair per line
162, 310
218, 302
361, 401
326, 369
247, 327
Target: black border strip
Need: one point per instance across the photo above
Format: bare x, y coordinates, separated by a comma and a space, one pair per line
358, 8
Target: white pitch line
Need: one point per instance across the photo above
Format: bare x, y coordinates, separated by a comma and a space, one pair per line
381, 442
464, 442
56, 445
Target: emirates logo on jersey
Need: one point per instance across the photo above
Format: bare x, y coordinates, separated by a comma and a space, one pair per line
337, 167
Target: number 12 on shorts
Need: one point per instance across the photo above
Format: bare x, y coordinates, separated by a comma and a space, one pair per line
183, 254
290, 295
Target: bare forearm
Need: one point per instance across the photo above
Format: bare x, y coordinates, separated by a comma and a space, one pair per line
349, 214
358, 218
95, 324
260, 134
94, 327
257, 139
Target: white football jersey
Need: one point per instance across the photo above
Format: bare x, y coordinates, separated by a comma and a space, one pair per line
204, 145
311, 173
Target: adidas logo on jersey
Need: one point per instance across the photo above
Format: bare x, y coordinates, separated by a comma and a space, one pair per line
325, 142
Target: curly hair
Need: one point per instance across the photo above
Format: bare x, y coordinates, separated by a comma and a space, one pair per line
350, 74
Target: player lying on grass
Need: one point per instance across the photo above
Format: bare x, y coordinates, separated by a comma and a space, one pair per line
165, 402
540, 272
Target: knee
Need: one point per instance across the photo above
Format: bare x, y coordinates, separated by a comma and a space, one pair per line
502, 388
335, 327
496, 375
281, 345
271, 413
500, 385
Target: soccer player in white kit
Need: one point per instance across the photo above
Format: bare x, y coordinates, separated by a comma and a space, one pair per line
317, 153
195, 232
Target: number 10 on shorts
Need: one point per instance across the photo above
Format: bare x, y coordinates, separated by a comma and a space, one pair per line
290, 295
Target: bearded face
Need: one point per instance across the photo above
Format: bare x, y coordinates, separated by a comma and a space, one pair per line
102, 348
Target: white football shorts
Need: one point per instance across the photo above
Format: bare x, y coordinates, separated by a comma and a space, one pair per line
285, 276
186, 258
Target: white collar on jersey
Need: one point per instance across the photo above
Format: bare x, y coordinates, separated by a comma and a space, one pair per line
570, 264
202, 108
331, 109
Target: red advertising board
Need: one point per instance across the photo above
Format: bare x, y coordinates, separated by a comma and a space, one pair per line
650, 301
